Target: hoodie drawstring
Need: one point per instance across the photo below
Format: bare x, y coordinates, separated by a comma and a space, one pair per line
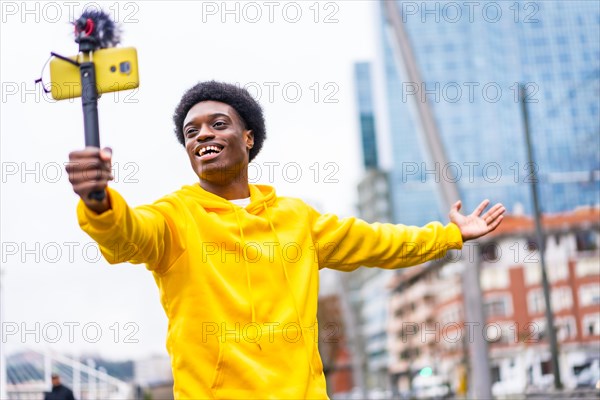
249, 282
287, 280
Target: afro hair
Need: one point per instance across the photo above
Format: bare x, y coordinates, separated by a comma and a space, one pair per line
238, 98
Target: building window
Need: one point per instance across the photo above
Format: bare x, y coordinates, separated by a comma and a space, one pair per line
501, 333
494, 278
565, 328
535, 301
498, 306
543, 59
587, 266
562, 298
537, 331
591, 325
586, 240
589, 295
449, 47
532, 245
564, 58
557, 271
495, 374
451, 315
546, 367
566, 75
533, 274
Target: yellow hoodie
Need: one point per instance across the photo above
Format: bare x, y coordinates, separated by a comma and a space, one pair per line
239, 285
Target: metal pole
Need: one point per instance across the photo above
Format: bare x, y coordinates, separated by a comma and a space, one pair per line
541, 241
92, 380
478, 351
47, 369
354, 337
89, 102
480, 377
76, 378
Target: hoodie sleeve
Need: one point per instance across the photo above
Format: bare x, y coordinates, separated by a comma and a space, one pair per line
146, 234
346, 244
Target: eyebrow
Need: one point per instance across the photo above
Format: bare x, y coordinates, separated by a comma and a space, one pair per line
211, 116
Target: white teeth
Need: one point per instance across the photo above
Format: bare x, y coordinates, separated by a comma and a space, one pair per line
206, 149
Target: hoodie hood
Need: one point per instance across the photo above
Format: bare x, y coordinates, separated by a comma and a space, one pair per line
260, 195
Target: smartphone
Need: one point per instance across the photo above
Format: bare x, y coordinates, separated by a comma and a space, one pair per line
116, 69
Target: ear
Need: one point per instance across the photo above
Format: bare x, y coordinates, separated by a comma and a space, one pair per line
249, 138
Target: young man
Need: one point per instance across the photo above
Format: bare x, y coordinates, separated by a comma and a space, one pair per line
238, 266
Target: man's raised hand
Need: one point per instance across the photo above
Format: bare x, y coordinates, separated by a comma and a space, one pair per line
476, 225
89, 171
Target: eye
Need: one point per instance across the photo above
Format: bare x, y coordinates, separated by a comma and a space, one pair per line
191, 131
219, 124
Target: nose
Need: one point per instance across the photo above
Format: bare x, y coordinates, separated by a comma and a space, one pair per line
205, 134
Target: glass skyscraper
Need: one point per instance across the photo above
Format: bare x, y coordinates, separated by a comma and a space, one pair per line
369, 297
363, 81
471, 57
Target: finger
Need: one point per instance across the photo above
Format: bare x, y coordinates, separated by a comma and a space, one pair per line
495, 223
92, 152
106, 154
85, 164
494, 212
89, 174
481, 207
98, 175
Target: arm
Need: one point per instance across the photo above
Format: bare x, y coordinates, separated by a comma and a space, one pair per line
349, 243
147, 234
346, 244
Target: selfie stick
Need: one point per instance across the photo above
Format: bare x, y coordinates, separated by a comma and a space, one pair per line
93, 30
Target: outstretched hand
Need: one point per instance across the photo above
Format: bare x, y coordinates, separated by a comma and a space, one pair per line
89, 171
476, 225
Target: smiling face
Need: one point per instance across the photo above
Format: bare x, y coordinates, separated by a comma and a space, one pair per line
217, 144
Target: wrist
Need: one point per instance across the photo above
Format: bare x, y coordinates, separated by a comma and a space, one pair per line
98, 207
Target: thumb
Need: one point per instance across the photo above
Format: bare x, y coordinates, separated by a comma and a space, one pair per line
454, 211
106, 154
456, 206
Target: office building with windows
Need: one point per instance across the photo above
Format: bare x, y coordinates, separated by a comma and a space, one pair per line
471, 57
369, 297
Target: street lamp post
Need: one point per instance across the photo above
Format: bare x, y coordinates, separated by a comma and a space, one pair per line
540, 240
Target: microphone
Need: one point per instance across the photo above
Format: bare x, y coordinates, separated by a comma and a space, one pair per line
96, 30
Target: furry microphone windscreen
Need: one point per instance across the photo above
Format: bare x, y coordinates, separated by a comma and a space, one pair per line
99, 27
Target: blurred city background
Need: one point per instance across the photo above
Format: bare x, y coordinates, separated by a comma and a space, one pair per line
468, 100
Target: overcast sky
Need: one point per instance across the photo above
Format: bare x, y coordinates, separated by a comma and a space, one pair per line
295, 57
